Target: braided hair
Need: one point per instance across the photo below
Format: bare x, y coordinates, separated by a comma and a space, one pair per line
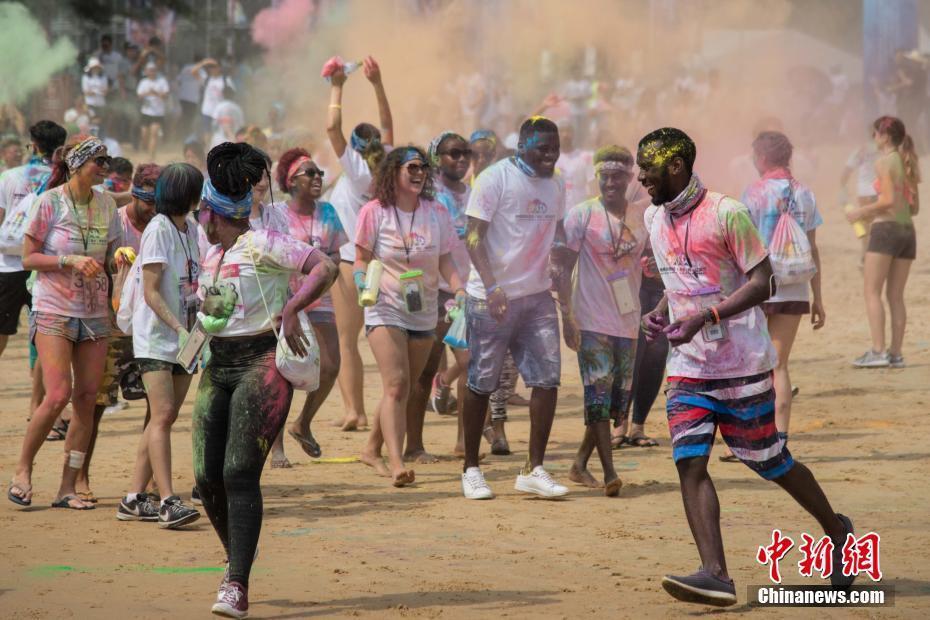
236, 167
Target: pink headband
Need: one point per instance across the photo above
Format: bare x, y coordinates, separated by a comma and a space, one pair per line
293, 169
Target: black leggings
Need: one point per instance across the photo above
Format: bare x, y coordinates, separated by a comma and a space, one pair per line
241, 405
649, 369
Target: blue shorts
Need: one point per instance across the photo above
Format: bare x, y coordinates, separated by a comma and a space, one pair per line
743, 408
529, 329
68, 327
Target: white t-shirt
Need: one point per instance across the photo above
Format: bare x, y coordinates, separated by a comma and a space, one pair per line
95, 89
455, 203
129, 235
163, 244
522, 213
276, 256
604, 255
16, 184
722, 246
404, 242
212, 95
862, 160
352, 190
153, 105
272, 217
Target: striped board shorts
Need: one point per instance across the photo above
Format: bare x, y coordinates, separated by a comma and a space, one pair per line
743, 408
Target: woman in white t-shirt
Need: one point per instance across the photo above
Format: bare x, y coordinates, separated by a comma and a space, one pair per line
95, 86
153, 92
412, 236
164, 312
242, 400
358, 158
777, 192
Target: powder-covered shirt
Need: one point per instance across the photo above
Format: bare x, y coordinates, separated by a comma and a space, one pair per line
322, 230
703, 257
64, 229
276, 256
176, 251
128, 235
352, 190
405, 242
609, 249
270, 217
862, 161
152, 104
522, 214
766, 200
15, 185
456, 203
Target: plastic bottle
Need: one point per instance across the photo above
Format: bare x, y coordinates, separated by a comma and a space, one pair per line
369, 296
859, 226
347, 68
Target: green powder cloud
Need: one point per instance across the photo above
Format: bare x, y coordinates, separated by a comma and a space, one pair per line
28, 60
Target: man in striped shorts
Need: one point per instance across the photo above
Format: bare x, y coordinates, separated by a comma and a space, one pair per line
716, 272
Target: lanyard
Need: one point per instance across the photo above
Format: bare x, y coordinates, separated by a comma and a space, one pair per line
400, 229
77, 219
676, 243
185, 245
617, 245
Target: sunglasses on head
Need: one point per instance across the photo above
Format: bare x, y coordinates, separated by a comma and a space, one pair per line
310, 172
103, 161
458, 153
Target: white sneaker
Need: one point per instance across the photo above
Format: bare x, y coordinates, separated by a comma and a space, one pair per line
474, 486
871, 359
540, 482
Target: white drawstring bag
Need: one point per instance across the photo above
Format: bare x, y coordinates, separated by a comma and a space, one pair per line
302, 372
790, 250
132, 288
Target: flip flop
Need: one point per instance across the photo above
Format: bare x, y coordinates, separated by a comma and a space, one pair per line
65, 502
19, 500
618, 442
307, 444
642, 441
728, 458
58, 433
87, 497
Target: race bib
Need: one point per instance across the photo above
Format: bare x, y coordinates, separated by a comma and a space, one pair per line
622, 290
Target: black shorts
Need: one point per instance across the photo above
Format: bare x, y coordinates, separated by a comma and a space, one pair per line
893, 239
13, 296
152, 120
786, 307
147, 364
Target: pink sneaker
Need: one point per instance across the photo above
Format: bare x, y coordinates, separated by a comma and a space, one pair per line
232, 601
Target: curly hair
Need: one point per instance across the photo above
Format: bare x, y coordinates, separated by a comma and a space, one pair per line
284, 164
385, 190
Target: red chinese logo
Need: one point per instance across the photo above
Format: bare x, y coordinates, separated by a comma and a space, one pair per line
861, 556
773, 553
817, 556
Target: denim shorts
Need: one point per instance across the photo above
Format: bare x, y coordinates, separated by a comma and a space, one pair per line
71, 328
412, 334
529, 329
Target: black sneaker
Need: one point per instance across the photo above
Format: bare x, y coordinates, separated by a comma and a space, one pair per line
701, 587
837, 578
195, 497
173, 514
139, 509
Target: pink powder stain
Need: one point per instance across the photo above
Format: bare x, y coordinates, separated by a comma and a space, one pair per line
280, 26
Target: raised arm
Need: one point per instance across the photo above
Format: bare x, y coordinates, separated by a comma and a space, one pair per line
334, 119
373, 73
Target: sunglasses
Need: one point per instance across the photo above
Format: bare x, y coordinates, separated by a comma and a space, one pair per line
310, 172
458, 153
103, 161
416, 168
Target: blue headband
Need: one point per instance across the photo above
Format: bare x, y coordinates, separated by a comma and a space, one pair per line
410, 154
433, 152
143, 195
483, 134
359, 144
224, 205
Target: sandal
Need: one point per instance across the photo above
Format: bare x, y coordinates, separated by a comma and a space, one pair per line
87, 496
308, 444
728, 458
65, 502
19, 500
618, 442
642, 441
58, 433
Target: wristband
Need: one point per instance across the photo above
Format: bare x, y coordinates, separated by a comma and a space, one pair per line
716, 314
494, 287
63, 261
335, 105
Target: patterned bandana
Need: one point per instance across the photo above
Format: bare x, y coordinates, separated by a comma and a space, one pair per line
224, 205
433, 151
360, 144
687, 199
294, 168
483, 134
411, 154
610, 166
83, 151
143, 195
524, 167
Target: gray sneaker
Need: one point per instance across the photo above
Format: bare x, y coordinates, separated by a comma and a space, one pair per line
701, 587
139, 509
174, 514
896, 361
871, 359
837, 578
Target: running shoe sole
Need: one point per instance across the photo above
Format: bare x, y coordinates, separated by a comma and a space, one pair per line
691, 594
125, 516
173, 525
226, 611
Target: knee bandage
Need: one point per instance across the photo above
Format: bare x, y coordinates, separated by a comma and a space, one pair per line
76, 459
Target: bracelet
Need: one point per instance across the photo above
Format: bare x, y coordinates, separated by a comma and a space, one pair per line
335, 105
494, 287
715, 314
63, 261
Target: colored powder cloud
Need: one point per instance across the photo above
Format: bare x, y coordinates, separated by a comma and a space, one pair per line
21, 37
279, 26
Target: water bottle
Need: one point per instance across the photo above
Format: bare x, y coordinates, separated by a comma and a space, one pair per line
859, 226
369, 296
347, 68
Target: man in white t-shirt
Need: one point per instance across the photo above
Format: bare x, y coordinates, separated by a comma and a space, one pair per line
153, 92
716, 272
514, 216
